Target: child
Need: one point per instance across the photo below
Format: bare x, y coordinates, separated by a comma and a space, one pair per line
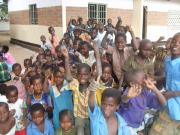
137, 97
106, 121
170, 118
44, 44
16, 106
7, 121
39, 124
38, 95
17, 80
27, 64
3, 88
8, 57
66, 123
106, 81
61, 95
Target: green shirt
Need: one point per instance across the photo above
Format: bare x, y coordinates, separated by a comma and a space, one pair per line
72, 132
4, 73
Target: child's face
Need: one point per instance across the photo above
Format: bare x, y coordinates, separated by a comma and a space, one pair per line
83, 76
106, 74
51, 30
38, 117
93, 34
66, 123
84, 50
4, 114
37, 86
146, 50
27, 64
12, 96
109, 106
43, 39
59, 78
17, 70
139, 78
120, 43
175, 46
41, 51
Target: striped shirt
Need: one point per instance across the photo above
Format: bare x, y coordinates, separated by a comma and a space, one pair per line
80, 100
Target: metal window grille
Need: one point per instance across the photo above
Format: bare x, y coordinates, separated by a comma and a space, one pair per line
174, 20
98, 12
33, 14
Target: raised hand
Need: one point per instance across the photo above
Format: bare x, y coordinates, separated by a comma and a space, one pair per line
150, 84
134, 91
64, 51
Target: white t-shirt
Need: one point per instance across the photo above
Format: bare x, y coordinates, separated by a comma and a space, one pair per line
18, 106
90, 60
46, 46
100, 37
3, 98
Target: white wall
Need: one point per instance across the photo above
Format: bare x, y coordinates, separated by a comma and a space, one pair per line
154, 31
16, 5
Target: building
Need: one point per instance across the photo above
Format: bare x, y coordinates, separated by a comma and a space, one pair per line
149, 18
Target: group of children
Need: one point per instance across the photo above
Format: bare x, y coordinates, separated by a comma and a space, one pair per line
92, 83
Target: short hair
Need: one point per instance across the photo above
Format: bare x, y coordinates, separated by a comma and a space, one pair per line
106, 65
5, 105
50, 27
11, 88
66, 113
5, 48
16, 65
3, 88
113, 93
130, 76
35, 77
37, 107
84, 43
84, 66
120, 35
144, 42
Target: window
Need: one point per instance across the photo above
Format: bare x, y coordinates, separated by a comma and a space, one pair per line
98, 12
33, 14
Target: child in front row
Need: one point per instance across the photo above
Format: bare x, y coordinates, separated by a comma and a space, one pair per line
16, 106
39, 124
66, 123
105, 120
140, 95
7, 121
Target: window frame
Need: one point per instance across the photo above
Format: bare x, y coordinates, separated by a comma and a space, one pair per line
33, 14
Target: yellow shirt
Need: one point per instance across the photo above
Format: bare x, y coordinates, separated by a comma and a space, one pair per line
80, 100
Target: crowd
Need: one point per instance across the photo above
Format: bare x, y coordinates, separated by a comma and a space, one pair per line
91, 82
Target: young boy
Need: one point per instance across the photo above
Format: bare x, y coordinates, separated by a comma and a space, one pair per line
170, 118
44, 44
137, 97
7, 121
39, 124
105, 120
16, 106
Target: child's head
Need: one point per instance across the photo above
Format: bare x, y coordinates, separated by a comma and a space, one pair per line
5, 48
12, 93
3, 88
16, 68
101, 27
27, 63
84, 73
76, 44
84, 48
43, 38
66, 120
110, 101
4, 112
37, 113
47, 70
58, 51
36, 81
80, 20
59, 74
109, 21
106, 72
135, 77
51, 30
94, 33
120, 41
145, 48
41, 51
175, 45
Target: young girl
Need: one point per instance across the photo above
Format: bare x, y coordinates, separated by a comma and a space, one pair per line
39, 124
66, 123
16, 106
7, 121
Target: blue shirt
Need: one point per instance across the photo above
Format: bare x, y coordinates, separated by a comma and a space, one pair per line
99, 124
32, 129
62, 99
133, 111
172, 72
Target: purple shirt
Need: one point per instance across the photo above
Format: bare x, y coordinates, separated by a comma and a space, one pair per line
133, 111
